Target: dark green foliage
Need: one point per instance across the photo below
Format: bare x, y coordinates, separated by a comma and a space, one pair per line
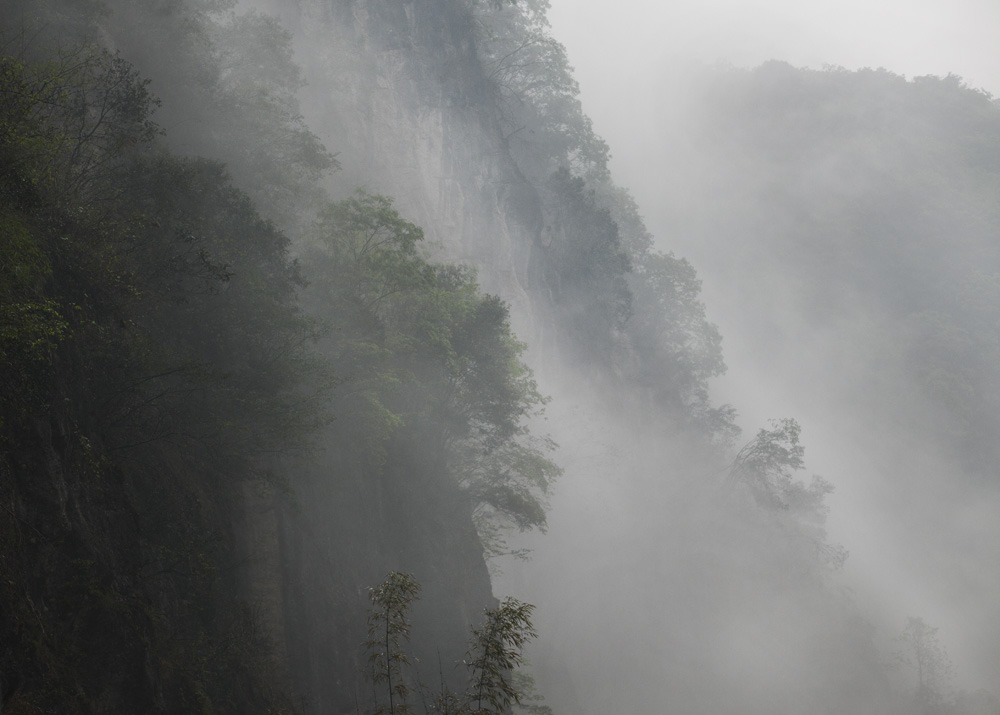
31, 326
216, 295
149, 317
65, 128
71, 122
423, 354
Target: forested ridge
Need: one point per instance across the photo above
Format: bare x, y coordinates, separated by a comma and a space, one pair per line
260, 278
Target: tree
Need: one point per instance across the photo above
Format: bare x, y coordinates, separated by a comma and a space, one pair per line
585, 267
70, 122
531, 702
31, 325
766, 464
766, 467
424, 355
929, 664
218, 299
508, 485
388, 631
266, 143
536, 96
143, 301
495, 653
678, 350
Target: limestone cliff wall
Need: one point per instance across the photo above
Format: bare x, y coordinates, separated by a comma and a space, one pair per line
396, 90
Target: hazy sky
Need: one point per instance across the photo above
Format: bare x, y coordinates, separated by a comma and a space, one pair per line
623, 53
912, 37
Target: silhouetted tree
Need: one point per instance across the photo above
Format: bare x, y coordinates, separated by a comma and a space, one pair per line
388, 633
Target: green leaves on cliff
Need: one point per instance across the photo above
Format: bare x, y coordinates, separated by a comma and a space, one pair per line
65, 126
586, 266
495, 653
152, 352
620, 303
420, 351
31, 326
164, 273
536, 96
70, 122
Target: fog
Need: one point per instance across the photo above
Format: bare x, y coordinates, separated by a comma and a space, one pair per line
703, 554
658, 590
920, 543
913, 38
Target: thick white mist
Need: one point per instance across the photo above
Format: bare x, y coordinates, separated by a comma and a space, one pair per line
914, 550
911, 37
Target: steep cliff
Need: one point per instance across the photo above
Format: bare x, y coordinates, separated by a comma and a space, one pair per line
150, 541
399, 92
295, 429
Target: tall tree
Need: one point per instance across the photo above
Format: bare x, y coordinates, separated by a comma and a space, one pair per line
929, 665
388, 634
495, 652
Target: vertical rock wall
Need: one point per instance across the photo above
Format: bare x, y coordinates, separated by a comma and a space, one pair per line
396, 90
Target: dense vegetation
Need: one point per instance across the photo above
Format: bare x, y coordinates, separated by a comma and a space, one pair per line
161, 358
150, 319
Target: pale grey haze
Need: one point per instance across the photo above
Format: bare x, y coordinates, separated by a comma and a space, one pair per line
914, 37
620, 55
635, 63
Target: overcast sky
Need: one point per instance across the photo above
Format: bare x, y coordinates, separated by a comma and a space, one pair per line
607, 41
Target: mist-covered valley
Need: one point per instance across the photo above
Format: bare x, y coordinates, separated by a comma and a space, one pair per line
328, 326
